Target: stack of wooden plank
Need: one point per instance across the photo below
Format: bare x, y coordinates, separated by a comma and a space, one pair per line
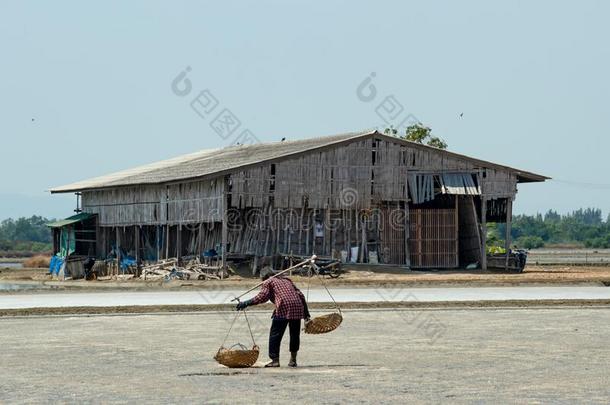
171, 269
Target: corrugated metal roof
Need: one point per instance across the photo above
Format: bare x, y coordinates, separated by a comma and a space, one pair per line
205, 162
217, 161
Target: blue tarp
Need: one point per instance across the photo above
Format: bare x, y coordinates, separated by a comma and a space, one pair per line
55, 265
127, 261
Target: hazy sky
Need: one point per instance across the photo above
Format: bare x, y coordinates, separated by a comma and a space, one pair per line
85, 87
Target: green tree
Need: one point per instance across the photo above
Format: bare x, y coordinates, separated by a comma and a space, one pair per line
582, 227
552, 216
25, 235
33, 229
530, 242
419, 133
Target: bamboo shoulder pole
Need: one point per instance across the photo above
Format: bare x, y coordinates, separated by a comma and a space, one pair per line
304, 262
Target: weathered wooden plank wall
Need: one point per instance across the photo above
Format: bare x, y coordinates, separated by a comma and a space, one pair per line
183, 203
498, 183
194, 202
125, 206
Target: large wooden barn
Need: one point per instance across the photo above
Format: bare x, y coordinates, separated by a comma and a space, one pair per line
364, 197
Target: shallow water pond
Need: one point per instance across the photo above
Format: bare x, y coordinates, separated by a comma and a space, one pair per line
11, 265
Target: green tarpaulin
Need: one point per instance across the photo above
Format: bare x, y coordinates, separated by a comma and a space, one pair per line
83, 216
67, 237
67, 242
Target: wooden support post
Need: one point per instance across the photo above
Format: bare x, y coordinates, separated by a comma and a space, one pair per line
457, 232
118, 250
407, 235
166, 239
477, 226
158, 242
200, 240
267, 221
278, 216
254, 265
420, 250
225, 225
178, 241
333, 236
346, 229
356, 237
165, 204
313, 241
101, 253
301, 230
509, 220
224, 244
289, 229
137, 246
483, 233
309, 225
98, 240
363, 253
286, 243
327, 238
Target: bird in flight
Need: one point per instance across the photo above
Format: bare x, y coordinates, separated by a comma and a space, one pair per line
283, 139
461, 115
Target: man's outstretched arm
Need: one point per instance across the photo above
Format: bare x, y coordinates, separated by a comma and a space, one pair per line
262, 297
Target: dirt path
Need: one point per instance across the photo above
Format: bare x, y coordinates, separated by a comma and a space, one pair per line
267, 308
356, 276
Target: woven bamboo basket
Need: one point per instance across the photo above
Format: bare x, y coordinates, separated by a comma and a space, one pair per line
323, 324
240, 357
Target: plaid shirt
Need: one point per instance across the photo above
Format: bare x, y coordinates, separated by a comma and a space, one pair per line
288, 299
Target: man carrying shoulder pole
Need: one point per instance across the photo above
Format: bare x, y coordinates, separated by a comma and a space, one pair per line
290, 308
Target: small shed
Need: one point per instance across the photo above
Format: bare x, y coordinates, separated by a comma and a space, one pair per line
74, 241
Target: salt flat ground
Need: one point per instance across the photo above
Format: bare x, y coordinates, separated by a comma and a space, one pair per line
550, 355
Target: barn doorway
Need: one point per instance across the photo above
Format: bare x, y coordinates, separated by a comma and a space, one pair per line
433, 235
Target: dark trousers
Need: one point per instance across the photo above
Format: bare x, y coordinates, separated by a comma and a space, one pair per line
278, 327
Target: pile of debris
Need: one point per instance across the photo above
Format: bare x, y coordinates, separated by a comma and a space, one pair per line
174, 269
